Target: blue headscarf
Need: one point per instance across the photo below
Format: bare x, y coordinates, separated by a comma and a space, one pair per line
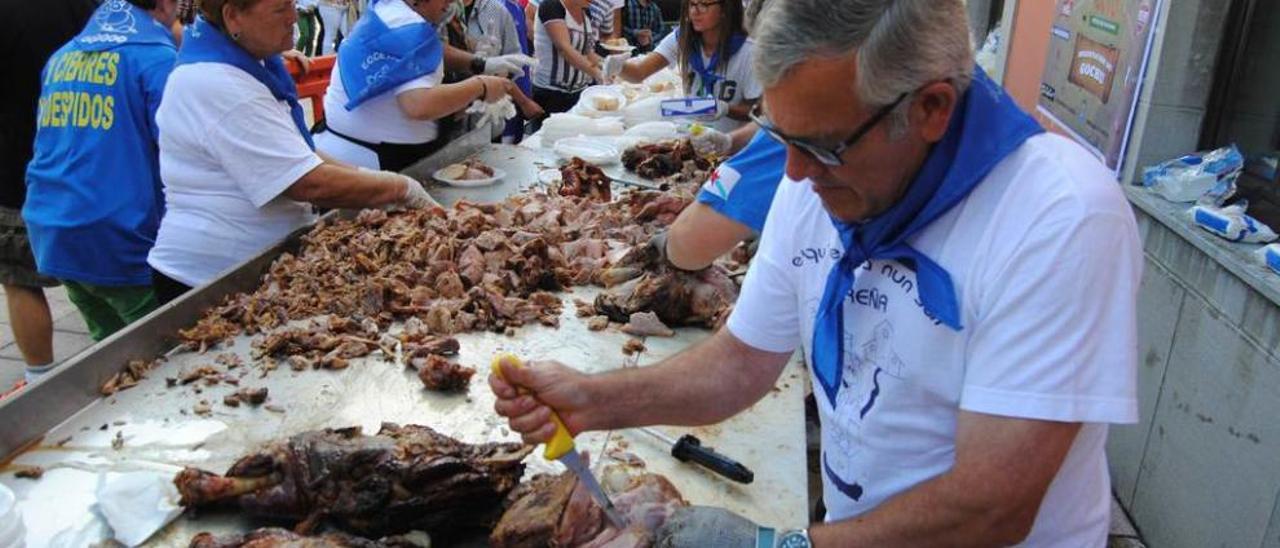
986, 128
204, 43
376, 59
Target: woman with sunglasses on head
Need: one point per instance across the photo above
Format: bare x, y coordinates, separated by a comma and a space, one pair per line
713, 54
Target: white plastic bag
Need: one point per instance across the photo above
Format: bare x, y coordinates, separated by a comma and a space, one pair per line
1190, 177
1231, 223
1269, 256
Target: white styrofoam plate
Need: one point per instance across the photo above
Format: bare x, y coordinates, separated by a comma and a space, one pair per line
549, 177
617, 49
498, 174
587, 148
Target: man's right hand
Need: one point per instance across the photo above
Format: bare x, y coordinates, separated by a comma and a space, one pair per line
526, 395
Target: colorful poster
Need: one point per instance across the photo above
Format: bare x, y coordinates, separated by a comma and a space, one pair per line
1097, 57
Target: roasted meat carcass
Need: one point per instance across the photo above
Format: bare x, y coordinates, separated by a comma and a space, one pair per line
404, 478
274, 537
582, 178
558, 511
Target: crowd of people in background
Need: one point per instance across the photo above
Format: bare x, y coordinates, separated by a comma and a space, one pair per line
155, 144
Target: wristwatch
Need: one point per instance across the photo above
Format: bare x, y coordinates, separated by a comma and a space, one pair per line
794, 538
477, 64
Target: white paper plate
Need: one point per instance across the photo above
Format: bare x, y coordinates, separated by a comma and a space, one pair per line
498, 174
549, 177
587, 148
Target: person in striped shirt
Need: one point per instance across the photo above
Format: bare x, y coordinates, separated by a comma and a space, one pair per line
564, 42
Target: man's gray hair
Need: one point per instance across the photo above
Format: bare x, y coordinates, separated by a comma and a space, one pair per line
901, 45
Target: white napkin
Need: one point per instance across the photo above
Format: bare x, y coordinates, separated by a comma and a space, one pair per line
137, 504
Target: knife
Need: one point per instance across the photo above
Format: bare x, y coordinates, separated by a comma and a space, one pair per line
560, 447
690, 448
661, 187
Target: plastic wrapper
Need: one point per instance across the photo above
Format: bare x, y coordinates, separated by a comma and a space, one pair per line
1206, 177
1231, 223
1269, 256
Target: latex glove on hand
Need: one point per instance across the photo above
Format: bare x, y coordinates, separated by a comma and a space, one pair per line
614, 64
647, 255
415, 197
707, 141
709, 526
496, 113
509, 65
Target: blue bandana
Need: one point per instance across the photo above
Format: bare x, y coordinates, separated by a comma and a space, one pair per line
204, 43
376, 59
986, 128
707, 72
118, 23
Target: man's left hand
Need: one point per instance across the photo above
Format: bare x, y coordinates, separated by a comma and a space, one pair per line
697, 526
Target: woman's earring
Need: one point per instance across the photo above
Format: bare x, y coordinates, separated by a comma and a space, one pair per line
235, 36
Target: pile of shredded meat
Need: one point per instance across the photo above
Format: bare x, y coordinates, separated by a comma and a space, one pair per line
473, 267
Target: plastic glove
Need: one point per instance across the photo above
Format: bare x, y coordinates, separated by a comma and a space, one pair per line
416, 197
647, 255
709, 142
509, 65
614, 64
497, 112
722, 109
706, 526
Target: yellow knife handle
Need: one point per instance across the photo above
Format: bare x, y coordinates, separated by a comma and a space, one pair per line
561, 442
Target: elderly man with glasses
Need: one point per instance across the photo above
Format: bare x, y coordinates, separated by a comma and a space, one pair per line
962, 284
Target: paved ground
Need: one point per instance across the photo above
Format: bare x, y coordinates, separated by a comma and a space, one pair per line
70, 336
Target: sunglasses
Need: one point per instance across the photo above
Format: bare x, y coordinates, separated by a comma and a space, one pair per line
828, 156
703, 6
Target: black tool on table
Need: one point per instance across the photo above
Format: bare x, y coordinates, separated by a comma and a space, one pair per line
689, 448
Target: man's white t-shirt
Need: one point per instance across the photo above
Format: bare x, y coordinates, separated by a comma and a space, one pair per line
228, 149
379, 119
1046, 262
739, 83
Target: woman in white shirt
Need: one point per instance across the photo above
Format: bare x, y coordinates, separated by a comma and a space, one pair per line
711, 50
235, 155
385, 93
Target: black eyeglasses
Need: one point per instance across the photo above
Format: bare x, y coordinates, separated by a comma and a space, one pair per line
703, 6
828, 156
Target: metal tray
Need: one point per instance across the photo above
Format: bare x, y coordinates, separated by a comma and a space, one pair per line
64, 425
